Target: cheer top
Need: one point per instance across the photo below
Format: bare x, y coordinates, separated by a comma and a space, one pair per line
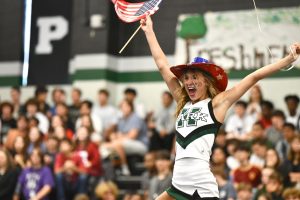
196, 127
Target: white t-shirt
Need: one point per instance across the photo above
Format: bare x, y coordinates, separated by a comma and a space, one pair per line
108, 115
239, 126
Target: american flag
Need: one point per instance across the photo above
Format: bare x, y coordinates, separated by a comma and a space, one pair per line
131, 12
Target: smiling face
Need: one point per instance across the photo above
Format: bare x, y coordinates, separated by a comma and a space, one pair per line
195, 85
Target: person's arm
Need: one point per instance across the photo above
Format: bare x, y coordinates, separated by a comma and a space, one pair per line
132, 134
160, 58
224, 100
18, 188
59, 164
42, 193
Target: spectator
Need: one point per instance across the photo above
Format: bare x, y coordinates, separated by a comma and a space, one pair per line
32, 111
58, 96
57, 122
272, 159
163, 136
150, 171
283, 146
231, 146
33, 122
246, 173
35, 140
258, 131
244, 191
35, 182
62, 111
274, 132
87, 122
226, 189
259, 151
240, 123
59, 132
88, 151
107, 191
8, 175
19, 152
21, 130
218, 160
74, 108
291, 194
220, 140
51, 151
266, 173
130, 95
162, 180
274, 186
15, 95
40, 94
106, 112
7, 120
255, 99
70, 172
292, 114
130, 137
132, 130
86, 109
292, 164
267, 108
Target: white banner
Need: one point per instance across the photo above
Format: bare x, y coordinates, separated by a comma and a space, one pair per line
234, 40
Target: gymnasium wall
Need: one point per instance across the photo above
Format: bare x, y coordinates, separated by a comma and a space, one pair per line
94, 62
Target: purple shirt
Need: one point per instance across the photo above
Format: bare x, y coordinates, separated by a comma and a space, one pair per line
33, 180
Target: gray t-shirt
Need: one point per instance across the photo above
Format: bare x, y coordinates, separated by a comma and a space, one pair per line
227, 191
273, 135
134, 122
158, 186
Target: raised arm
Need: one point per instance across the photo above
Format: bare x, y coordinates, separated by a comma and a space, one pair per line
160, 58
224, 100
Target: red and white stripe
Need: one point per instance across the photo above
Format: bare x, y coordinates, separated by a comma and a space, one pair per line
131, 12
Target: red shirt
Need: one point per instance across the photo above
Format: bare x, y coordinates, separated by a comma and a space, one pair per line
62, 158
265, 122
91, 153
251, 176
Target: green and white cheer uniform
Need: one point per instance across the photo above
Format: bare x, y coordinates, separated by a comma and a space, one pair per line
196, 127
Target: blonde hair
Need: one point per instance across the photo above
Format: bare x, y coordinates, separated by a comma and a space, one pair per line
291, 192
104, 187
81, 197
212, 91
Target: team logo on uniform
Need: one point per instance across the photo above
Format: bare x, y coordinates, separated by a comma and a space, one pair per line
191, 117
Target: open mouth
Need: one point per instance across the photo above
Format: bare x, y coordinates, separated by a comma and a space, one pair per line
191, 91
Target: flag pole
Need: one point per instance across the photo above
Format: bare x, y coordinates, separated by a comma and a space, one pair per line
125, 45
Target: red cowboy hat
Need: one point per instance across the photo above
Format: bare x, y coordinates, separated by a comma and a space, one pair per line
216, 72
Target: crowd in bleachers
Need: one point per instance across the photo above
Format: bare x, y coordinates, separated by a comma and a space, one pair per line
96, 150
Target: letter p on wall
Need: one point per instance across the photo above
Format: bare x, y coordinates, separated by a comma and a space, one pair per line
50, 29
